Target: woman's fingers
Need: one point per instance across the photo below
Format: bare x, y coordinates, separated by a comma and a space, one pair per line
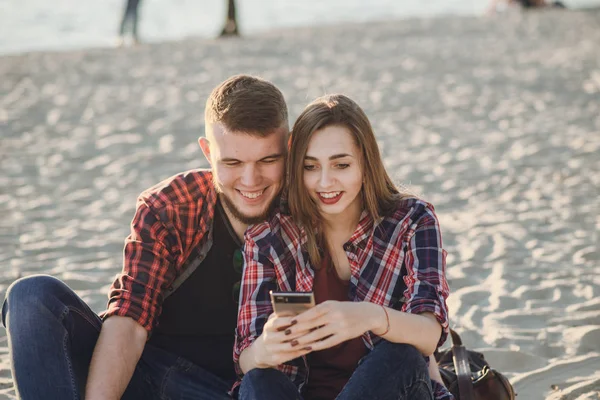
284, 333
283, 352
330, 341
280, 323
314, 336
313, 313
303, 328
294, 331
285, 357
277, 323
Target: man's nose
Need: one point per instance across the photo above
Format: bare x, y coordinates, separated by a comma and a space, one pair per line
250, 176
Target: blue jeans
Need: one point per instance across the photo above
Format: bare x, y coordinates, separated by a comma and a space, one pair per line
392, 371
52, 334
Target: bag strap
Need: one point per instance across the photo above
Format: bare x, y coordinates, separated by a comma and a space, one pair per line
460, 357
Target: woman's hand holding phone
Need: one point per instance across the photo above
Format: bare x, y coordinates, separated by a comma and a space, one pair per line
272, 347
288, 336
333, 322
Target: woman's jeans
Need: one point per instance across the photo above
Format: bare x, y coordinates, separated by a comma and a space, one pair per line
392, 371
52, 334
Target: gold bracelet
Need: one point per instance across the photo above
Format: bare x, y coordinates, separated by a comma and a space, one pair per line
387, 318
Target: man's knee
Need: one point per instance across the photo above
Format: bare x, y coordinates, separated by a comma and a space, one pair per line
27, 293
34, 287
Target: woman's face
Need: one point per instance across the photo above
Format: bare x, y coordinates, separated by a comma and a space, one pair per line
332, 172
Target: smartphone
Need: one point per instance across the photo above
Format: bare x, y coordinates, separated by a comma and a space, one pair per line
291, 303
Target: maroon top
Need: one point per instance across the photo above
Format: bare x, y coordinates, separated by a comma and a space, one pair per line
331, 368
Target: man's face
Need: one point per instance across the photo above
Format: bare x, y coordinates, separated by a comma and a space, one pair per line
247, 170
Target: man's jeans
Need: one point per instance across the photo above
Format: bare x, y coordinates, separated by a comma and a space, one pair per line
52, 334
391, 371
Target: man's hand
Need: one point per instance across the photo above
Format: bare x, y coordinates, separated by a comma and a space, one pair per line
333, 322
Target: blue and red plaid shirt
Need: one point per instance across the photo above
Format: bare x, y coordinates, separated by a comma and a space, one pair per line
276, 259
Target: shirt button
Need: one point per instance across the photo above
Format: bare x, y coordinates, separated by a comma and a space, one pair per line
348, 246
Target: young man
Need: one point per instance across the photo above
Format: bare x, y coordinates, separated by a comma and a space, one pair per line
168, 331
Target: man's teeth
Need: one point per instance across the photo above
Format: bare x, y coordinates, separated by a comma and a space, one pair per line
251, 195
329, 195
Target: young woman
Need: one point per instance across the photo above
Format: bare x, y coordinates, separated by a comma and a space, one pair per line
371, 254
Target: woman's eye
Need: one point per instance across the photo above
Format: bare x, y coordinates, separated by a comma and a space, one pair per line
309, 167
343, 166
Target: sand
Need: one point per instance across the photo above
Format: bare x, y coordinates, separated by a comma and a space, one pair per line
494, 120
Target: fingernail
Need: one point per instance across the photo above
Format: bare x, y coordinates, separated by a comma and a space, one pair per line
307, 348
287, 331
294, 322
294, 343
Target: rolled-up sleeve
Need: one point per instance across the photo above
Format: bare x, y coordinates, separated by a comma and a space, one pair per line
425, 260
148, 257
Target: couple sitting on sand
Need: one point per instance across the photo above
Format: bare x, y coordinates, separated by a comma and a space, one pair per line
311, 211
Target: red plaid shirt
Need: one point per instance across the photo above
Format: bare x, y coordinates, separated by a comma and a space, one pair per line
172, 224
276, 260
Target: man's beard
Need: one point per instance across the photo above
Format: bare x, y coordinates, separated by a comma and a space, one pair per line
240, 216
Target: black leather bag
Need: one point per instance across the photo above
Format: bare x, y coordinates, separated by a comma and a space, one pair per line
468, 375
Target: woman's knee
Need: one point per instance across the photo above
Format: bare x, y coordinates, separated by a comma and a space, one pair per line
261, 375
408, 368
259, 382
420, 390
403, 353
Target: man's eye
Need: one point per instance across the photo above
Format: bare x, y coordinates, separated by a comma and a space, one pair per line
269, 161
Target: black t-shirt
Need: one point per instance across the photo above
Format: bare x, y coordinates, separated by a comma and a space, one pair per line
198, 320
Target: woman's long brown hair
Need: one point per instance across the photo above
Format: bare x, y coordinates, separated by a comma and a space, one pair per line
379, 194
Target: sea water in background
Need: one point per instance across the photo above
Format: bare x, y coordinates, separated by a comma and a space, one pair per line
33, 25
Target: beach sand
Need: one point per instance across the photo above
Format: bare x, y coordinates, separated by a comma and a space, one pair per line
496, 121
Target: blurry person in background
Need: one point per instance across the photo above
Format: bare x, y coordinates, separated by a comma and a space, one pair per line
169, 328
497, 5
129, 23
231, 26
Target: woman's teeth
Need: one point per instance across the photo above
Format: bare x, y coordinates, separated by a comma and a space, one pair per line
329, 195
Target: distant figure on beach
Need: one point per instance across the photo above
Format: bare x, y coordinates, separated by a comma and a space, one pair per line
129, 23
370, 252
168, 331
231, 26
526, 4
